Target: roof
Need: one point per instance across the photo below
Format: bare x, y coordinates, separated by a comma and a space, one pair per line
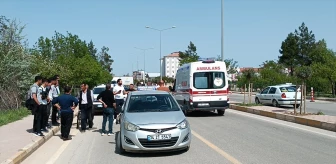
153, 74
149, 92
174, 54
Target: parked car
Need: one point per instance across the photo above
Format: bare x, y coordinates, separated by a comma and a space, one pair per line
278, 95
152, 121
97, 106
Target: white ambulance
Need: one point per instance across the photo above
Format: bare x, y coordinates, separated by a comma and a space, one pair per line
202, 86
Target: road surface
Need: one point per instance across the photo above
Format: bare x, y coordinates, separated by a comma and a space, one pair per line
236, 137
328, 108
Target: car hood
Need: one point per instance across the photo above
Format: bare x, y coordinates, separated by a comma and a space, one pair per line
145, 118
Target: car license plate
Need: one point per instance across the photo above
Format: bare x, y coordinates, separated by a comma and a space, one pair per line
158, 137
203, 104
99, 106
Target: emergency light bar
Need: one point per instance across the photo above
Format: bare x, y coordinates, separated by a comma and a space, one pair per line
207, 60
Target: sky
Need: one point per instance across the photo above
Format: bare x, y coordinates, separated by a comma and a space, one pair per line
253, 29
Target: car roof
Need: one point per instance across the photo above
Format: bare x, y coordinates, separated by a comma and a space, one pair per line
149, 92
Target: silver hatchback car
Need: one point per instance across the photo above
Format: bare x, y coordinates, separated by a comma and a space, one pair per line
152, 121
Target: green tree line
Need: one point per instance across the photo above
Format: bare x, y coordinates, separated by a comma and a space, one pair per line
74, 59
308, 61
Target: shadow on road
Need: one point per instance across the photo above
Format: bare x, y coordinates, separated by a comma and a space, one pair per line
203, 114
145, 154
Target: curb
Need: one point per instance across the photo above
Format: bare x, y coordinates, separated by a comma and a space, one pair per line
287, 117
23, 153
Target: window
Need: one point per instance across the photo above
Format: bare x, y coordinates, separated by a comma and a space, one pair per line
98, 90
265, 91
272, 90
209, 80
287, 89
152, 103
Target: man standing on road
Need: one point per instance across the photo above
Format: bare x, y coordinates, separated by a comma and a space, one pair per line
36, 111
85, 106
119, 93
162, 87
43, 98
65, 103
107, 99
54, 94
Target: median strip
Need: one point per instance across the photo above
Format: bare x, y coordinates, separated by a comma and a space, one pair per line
318, 121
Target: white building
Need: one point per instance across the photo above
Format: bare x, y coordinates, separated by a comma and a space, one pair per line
170, 64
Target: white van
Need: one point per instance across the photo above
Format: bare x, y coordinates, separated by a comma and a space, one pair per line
202, 86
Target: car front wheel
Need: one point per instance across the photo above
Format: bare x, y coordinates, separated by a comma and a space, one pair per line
257, 101
120, 149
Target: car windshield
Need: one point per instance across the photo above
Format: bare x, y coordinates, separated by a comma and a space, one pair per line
152, 103
209, 80
98, 90
287, 89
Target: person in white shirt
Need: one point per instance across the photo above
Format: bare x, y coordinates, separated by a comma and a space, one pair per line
53, 93
119, 92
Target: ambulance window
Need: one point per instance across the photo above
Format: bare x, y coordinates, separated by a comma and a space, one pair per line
209, 80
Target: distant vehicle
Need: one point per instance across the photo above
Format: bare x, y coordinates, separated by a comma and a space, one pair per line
202, 86
98, 106
278, 95
152, 121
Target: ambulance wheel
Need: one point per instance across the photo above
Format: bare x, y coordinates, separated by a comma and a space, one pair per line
220, 112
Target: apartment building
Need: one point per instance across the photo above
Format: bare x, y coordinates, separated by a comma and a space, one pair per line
170, 64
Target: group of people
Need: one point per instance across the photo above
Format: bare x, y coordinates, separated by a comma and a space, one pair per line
40, 97
45, 97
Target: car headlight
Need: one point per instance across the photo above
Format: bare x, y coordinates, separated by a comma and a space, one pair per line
131, 127
183, 124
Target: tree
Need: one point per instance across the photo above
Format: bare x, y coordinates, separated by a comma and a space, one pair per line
190, 55
306, 43
105, 59
326, 68
231, 65
15, 77
92, 49
289, 52
71, 58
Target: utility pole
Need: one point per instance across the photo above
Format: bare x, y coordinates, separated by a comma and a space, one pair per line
144, 52
160, 31
222, 31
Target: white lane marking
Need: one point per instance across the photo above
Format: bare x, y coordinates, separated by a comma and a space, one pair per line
65, 144
275, 122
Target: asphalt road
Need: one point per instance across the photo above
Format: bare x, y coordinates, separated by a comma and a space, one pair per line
328, 108
239, 136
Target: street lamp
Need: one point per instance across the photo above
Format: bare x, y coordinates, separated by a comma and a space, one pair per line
160, 30
222, 30
144, 50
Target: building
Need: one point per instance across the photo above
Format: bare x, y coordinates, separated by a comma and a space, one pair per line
170, 64
139, 75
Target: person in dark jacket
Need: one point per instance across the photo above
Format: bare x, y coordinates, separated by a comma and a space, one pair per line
85, 99
66, 103
107, 99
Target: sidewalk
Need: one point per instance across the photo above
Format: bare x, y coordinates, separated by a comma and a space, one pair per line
17, 140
